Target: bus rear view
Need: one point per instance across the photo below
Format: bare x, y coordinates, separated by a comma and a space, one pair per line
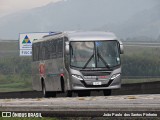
94, 62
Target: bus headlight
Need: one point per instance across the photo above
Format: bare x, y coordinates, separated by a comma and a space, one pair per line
115, 76
77, 77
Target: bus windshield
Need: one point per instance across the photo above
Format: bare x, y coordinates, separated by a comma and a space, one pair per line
94, 54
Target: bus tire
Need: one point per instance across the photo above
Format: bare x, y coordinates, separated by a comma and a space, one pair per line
84, 93
107, 92
45, 93
62, 85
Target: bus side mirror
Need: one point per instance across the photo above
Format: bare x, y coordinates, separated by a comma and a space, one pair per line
121, 47
67, 47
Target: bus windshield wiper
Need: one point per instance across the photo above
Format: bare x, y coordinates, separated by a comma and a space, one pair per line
88, 61
105, 63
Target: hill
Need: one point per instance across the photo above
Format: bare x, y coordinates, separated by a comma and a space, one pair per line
119, 17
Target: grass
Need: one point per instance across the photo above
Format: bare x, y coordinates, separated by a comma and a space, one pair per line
138, 80
11, 83
7, 89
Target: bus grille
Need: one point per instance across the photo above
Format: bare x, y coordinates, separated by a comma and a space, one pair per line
106, 85
95, 73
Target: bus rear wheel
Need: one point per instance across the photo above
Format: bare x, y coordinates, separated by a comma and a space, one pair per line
107, 92
45, 93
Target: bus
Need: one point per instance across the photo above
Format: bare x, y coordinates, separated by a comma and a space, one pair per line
76, 62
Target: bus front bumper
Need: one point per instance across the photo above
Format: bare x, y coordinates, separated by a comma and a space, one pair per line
90, 84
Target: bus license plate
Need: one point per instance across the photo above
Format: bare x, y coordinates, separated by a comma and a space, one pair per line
97, 83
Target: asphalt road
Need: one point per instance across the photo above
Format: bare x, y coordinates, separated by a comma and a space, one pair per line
86, 106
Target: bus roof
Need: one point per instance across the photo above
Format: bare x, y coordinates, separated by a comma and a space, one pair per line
90, 35
81, 36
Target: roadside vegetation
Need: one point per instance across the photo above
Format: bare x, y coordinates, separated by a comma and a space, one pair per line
15, 74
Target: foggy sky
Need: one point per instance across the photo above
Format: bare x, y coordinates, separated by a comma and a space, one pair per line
11, 6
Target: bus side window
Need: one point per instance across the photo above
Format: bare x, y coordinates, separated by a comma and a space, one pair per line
40, 51
53, 49
47, 50
33, 52
60, 47
43, 53
37, 52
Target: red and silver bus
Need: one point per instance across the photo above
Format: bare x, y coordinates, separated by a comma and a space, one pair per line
78, 62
